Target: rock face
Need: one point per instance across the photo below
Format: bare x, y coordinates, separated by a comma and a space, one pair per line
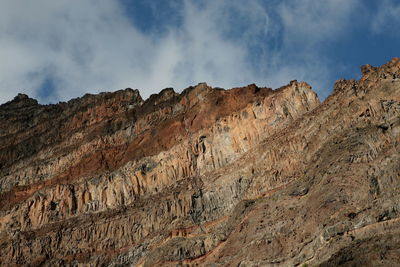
210, 177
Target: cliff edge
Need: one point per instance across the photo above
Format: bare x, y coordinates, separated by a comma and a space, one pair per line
208, 177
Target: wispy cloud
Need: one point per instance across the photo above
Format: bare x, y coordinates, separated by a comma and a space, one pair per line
387, 19
92, 46
307, 26
314, 21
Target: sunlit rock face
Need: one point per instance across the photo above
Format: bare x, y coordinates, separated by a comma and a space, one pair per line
209, 177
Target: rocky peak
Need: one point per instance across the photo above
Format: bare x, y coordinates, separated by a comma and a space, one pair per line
21, 97
248, 176
390, 70
370, 77
20, 101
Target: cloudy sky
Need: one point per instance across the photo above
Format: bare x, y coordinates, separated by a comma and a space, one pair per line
54, 50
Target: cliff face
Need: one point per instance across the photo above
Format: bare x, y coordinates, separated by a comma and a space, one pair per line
242, 177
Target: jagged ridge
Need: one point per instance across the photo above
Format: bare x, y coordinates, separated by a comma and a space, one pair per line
205, 176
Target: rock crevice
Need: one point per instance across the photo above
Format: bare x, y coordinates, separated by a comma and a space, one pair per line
207, 176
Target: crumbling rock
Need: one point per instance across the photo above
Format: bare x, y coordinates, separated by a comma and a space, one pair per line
209, 177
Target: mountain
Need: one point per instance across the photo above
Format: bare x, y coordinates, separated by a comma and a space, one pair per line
209, 177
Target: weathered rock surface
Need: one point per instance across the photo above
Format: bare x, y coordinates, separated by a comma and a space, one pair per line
210, 177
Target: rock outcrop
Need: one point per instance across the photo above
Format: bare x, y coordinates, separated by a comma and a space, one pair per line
209, 177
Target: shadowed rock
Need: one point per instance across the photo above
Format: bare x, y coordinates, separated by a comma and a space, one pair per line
209, 177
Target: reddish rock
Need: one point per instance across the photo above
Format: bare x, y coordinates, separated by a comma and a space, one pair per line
242, 177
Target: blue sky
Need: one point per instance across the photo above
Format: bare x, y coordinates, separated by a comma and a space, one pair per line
57, 50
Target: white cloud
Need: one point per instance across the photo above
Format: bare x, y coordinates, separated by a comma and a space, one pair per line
92, 46
307, 26
316, 20
85, 47
387, 19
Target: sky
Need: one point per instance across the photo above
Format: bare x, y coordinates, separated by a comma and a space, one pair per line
57, 50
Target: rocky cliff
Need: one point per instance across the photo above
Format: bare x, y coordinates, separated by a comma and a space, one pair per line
209, 177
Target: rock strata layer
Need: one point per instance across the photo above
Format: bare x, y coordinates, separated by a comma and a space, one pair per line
209, 177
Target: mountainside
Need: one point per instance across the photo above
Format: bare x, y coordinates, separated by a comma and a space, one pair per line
209, 177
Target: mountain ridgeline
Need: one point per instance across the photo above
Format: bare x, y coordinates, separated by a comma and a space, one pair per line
208, 177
